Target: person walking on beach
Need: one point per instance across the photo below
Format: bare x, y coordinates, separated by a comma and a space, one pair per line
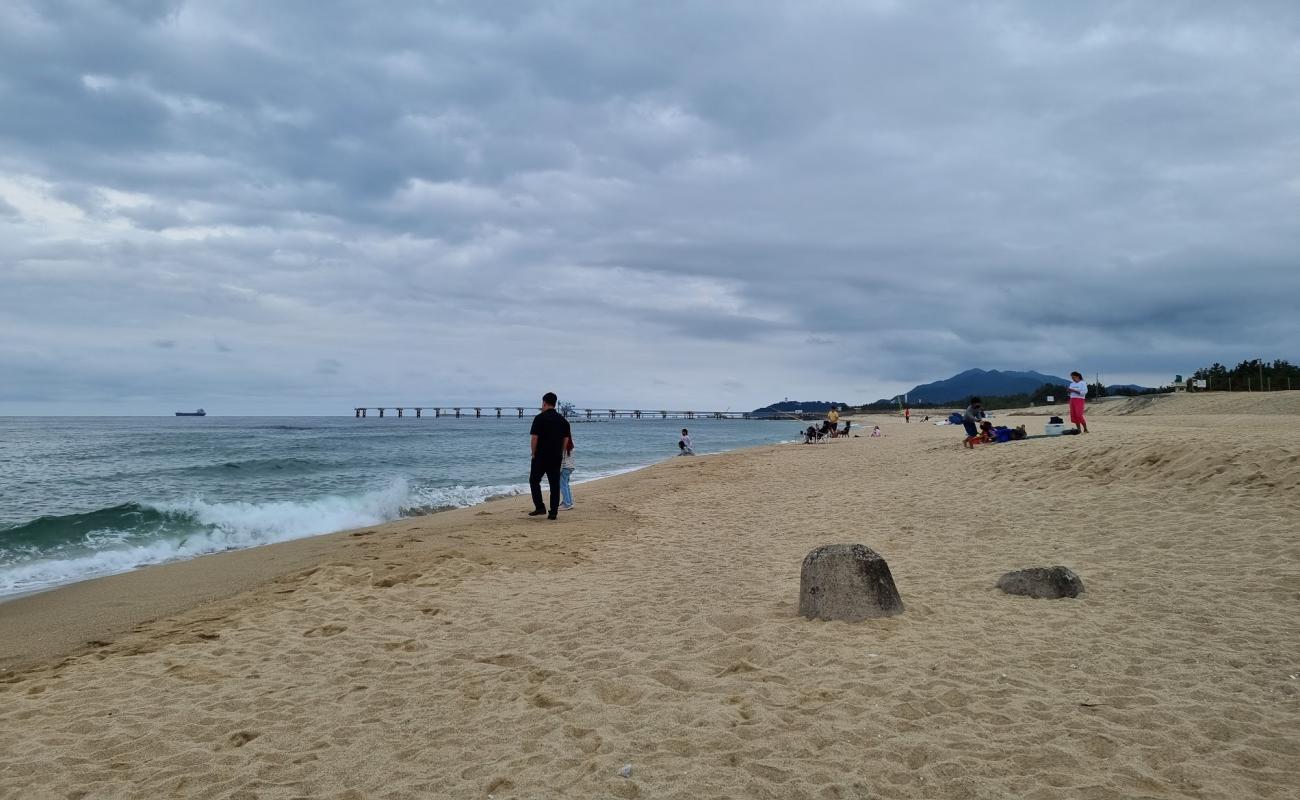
1078, 391
907, 415
550, 437
567, 465
684, 444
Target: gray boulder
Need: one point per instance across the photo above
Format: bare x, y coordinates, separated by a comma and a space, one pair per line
847, 582
1045, 582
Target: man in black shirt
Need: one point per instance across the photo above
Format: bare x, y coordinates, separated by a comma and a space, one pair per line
550, 438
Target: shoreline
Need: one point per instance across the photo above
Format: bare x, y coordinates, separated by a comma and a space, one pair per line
512, 491
53, 621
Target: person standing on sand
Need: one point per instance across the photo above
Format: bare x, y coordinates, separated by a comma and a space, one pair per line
550, 437
971, 419
567, 465
1078, 391
907, 415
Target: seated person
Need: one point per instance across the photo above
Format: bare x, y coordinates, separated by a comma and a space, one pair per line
876, 431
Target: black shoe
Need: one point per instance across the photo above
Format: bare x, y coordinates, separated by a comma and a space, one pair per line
552, 515
537, 512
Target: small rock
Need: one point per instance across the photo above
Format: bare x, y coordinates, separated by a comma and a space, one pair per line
1043, 582
626, 771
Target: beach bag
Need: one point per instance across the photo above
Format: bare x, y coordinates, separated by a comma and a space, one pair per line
1056, 421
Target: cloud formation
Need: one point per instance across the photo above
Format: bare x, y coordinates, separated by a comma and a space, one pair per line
298, 207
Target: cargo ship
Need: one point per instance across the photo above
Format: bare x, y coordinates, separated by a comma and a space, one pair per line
199, 413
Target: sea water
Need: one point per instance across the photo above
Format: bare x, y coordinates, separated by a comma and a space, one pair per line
82, 497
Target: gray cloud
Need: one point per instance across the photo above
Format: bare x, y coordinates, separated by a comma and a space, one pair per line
644, 203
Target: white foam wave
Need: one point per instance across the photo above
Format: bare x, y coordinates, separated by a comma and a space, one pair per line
240, 525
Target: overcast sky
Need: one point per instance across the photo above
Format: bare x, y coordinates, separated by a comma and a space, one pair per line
297, 207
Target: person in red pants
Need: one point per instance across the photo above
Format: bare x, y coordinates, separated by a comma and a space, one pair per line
1078, 391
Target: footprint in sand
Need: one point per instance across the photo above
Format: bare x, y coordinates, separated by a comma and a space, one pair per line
240, 738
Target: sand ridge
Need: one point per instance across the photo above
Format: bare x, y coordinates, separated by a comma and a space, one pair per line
655, 625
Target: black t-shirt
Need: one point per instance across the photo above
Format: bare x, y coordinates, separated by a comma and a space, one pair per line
551, 429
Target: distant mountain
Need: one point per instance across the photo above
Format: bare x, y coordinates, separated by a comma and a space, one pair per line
796, 406
1129, 389
983, 383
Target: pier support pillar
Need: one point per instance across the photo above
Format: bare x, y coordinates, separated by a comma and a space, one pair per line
381, 412
401, 413
358, 413
419, 412
437, 412
478, 412
521, 413
457, 410
498, 413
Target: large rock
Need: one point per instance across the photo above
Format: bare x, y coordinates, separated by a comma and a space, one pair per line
1045, 582
848, 582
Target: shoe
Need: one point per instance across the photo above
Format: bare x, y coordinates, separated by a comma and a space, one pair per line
568, 507
552, 515
537, 512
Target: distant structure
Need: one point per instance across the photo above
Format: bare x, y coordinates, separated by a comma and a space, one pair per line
572, 412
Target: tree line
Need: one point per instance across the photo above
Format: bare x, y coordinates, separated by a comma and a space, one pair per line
1255, 375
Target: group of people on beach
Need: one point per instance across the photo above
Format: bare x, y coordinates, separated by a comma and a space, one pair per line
978, 428
551, 442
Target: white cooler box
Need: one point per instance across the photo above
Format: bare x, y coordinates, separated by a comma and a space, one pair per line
1054, 429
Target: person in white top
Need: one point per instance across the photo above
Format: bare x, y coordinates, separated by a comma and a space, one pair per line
684, 444
1078, 391
567, 465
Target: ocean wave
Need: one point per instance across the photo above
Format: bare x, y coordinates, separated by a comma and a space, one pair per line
54, 550
260, 466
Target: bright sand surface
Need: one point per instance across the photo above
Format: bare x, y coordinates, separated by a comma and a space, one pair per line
482, 653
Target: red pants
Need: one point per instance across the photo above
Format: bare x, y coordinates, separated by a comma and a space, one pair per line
1076, 411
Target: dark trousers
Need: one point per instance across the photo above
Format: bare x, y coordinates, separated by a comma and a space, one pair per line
551, 469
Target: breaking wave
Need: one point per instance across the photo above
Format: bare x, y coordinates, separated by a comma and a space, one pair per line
53, 550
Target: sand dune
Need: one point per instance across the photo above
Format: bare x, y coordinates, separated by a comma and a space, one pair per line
483, 653
1216, 403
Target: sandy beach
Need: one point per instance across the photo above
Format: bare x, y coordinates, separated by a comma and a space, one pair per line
481, 653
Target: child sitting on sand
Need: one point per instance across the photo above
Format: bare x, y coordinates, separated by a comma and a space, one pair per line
876, 431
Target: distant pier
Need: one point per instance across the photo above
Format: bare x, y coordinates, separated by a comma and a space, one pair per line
517, 412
